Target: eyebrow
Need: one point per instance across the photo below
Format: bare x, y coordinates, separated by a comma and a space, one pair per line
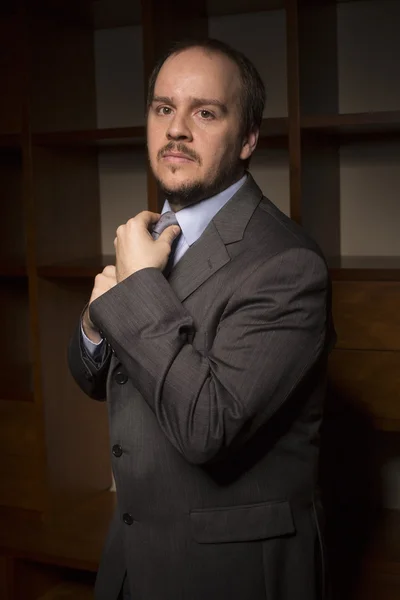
195, 102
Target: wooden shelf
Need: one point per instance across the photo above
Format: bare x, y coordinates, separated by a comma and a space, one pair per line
355, 126
271, 129
274, 133
120, 136
12, 270
365, 268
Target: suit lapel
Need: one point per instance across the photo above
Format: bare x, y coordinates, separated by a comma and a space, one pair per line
209, 253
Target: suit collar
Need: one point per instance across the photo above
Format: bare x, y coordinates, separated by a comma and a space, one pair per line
232, 220
209, 253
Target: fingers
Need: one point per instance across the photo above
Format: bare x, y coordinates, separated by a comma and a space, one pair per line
169, 234
109, 271
143, 220
147, 218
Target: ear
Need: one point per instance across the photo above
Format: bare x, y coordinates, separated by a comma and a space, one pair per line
249, 144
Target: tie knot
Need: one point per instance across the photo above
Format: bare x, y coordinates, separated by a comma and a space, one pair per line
166, 220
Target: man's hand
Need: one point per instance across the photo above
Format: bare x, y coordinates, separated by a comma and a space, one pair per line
103, 282
135, 248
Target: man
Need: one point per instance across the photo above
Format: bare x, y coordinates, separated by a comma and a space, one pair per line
213, 365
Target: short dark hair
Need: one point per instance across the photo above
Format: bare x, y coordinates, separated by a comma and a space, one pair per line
252, 99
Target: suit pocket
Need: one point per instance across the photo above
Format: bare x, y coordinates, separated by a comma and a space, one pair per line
242, 523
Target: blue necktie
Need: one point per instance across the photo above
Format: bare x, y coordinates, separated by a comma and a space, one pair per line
166, 220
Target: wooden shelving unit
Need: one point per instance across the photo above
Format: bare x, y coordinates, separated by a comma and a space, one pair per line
385, 123
54, 503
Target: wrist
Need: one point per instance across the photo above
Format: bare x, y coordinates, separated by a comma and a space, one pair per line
89, 328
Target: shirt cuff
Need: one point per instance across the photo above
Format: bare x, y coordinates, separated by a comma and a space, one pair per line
92, 348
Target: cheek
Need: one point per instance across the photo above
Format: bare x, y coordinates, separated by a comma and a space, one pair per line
221, 151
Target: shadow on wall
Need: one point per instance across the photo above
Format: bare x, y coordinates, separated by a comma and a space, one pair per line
351, 488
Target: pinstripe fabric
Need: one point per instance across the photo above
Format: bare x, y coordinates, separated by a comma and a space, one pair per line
218, 418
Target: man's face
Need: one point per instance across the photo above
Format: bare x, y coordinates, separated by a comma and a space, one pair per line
193, 127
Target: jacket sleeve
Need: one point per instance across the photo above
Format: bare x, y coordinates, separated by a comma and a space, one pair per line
271, 334
90, 374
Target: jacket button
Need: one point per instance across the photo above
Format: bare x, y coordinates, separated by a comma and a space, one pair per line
120, 377
127, 519
117, 450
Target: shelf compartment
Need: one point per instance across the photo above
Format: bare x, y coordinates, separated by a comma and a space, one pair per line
21, 464
66, 184
371, 381
366, 315
16, 371
12, 223
11, 73
66, 408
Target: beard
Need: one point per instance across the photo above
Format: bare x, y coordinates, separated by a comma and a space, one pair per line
194, 191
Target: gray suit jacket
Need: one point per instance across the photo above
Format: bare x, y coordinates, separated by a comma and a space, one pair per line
215, 384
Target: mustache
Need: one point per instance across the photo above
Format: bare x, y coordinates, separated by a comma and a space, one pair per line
181, 148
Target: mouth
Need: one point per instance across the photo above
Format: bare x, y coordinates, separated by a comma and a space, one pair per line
177, 157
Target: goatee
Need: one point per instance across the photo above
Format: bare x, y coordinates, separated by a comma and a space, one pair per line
191, 193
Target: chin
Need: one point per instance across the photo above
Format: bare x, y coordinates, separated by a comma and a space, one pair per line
176, 181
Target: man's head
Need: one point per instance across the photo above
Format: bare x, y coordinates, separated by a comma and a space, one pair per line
205, 107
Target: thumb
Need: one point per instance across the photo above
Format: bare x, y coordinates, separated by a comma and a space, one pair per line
170, 234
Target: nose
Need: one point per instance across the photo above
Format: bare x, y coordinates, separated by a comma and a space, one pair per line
179, 129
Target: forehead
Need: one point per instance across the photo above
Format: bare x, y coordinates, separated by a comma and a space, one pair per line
199, 73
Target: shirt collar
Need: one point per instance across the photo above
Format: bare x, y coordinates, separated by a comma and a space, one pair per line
193, 220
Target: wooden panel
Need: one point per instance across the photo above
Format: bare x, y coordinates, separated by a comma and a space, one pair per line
76, 426
11, 72
367, 315
15, 355
370, 379
12, 234
67, 207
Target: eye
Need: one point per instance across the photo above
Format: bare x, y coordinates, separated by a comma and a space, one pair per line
164, 110
206, 114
